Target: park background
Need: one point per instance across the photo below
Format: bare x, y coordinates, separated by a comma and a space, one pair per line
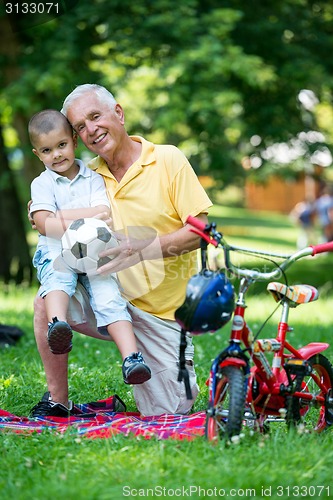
244, 89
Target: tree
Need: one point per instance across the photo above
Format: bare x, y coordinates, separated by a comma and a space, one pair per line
219, 72
15, 260
206, 75
30, 60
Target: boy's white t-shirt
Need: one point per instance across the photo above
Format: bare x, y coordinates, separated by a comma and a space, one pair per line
51, 191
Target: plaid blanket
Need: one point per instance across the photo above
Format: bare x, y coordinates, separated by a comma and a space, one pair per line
99, 420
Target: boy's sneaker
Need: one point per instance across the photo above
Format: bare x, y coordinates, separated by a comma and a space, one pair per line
48, 408
135, 370
59, 337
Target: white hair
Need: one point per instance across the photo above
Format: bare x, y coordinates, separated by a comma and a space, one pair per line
103, 95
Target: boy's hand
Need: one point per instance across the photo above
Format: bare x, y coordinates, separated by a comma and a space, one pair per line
31, 220
106, 218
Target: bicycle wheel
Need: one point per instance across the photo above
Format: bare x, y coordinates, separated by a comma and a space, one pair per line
225, 413
312, 413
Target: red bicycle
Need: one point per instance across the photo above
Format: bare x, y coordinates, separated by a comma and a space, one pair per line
254, 381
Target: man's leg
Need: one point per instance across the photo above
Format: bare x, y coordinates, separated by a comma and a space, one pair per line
159, 340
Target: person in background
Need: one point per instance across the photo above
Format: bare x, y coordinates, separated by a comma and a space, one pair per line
324, 209
303, 214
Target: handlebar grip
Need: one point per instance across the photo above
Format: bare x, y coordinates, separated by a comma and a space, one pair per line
322, 247
197, 223
200, 228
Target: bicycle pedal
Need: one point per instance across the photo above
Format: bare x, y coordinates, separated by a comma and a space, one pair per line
298, 367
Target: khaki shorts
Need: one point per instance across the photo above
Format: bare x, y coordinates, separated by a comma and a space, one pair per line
158, 340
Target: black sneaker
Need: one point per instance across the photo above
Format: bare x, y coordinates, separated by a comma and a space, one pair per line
59, 337
48, 408
135, 370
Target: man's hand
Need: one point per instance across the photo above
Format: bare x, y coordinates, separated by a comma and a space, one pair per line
143, 243
139, 244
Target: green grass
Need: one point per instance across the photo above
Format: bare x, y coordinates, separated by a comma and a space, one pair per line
52, 466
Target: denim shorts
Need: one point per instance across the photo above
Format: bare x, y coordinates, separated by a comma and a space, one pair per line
105, 299
49, 278
104, 294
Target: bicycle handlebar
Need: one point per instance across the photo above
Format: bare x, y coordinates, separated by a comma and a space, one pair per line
322, 247
197, 223
209, 233
202, 229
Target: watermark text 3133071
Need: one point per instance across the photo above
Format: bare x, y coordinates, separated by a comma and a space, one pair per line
32, 8
25, 15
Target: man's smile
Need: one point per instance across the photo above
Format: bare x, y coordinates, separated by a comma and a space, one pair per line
99, 139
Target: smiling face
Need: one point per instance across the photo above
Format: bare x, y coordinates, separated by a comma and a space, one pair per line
100, 125
56, 149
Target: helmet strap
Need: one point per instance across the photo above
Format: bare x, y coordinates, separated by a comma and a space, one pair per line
183, 372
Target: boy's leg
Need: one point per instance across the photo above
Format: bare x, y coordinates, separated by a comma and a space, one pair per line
110, 309
56, 305
134, 368
59, 335
56, 288
122, 334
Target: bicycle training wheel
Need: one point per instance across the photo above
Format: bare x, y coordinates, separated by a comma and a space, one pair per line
312, 413
225, 414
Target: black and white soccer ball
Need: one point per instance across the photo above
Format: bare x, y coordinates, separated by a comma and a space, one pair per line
82, 243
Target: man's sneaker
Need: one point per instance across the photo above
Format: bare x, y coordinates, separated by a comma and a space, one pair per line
135, 370
59, 337
48, 408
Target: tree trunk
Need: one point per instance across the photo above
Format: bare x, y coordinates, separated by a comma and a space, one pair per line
15, 261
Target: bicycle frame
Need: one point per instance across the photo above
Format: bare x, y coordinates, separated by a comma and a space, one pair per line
267, 384
272, 376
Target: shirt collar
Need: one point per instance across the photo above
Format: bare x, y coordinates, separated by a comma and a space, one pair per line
147, 157
83, 172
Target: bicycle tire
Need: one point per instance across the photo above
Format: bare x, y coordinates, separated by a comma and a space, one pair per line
307, 412
230, 396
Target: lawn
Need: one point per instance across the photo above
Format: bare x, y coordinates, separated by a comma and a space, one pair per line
281, 464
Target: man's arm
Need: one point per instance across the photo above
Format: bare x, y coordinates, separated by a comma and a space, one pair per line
133, 250
182, 241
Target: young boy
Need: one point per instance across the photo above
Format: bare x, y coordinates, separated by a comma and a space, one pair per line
66, 191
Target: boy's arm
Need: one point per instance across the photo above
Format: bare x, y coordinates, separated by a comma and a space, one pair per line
54, 225
47, 224
79, 213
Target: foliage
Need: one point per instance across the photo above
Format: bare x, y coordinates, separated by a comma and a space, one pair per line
211, 74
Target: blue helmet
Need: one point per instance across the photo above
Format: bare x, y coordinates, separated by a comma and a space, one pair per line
209, 303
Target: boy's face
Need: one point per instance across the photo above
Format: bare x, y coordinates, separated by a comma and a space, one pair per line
57, 151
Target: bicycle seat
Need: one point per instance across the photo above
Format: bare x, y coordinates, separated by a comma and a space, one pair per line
299, 294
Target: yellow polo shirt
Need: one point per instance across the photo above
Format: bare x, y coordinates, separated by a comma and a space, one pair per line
155, 196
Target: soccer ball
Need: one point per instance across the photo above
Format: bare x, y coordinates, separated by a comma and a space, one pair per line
82, 243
